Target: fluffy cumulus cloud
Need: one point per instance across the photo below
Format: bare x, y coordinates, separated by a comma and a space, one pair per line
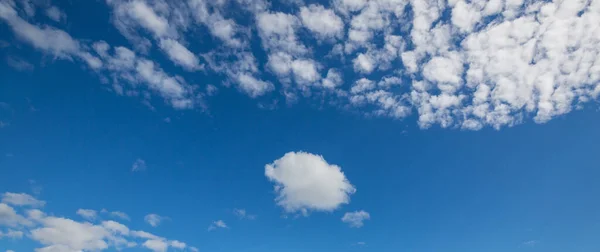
324, 23
458, 64
61, 234
356, 219
306, 182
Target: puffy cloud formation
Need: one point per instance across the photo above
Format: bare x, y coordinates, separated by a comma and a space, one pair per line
457, 64
356, 219
322, 22
62, 234
305, 182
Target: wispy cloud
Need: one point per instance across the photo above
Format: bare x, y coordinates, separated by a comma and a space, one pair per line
138, 165
219, 224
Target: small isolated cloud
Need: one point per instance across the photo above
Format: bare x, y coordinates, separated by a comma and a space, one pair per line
21, 199
87, 214
305, 181
242, 214
217, 224
138, 165
361, 244
531, 243
153, 219
356, 219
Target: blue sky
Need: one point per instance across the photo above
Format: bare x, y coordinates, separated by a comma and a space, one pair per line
238, 125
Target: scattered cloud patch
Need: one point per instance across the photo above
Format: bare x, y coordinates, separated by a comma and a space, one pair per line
117, 214
153, 219
219, 224
55, 14
531, 243
54, 233
306, 182
11, 234
462, 64
21, 199
87, 214
138, 165
242, 214
356, 219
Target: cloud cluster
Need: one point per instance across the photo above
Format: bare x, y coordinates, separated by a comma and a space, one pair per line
458, 63
66, 235
306, 182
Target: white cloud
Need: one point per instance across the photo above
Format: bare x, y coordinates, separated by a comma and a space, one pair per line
305, 181
278, 32
177, 244
120, 215
305, 71
71, 234
324, 23
11, 234
242, 214
21, 199
443, 70
180, 55
47, 39
153, 219
356, 219
65, 235
224, 29
138, 165
466, 64
217, 224
362, 85
333, 78
147, 18
252, 86
363, 63
156, 245
465, 16
87, 214
55, 14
